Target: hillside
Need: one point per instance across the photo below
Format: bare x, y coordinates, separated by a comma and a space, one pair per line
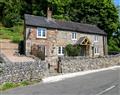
15, 34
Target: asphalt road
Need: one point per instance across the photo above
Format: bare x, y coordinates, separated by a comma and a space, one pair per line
100, 83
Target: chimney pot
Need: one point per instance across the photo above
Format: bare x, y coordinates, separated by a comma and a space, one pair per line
49, 14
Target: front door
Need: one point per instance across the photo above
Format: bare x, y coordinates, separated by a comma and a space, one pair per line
84, 51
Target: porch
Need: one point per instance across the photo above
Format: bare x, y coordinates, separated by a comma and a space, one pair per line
85, 44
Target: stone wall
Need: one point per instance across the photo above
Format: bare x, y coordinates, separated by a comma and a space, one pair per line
75, 64
16, 72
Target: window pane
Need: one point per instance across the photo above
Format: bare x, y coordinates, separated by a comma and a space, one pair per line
59, 50
95, 49
62, 50
39, 32
43, 33
95, 38
74, 35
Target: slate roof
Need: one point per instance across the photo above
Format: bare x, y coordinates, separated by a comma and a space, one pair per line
32, 20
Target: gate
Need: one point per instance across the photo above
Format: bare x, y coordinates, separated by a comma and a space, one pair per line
38, 51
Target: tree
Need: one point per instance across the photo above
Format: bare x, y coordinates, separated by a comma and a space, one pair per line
103, 13
60, 8
11, 13
115, 41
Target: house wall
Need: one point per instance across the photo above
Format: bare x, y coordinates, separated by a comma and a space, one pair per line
48, 42
56, 38
64, 38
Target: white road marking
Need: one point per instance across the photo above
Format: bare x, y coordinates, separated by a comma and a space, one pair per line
106, 90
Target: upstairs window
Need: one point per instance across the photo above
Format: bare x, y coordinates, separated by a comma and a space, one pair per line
74, 36
41, 33
95, 38
60, 50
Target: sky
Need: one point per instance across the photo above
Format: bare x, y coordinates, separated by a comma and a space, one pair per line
117, 2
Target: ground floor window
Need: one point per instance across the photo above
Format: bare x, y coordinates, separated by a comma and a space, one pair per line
60, 50
96, 50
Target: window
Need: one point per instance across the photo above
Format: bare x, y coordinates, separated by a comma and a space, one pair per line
74, 37
96, 50
60, 50
95, 38
41, 33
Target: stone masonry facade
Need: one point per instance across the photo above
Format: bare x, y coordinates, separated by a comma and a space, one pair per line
56, 38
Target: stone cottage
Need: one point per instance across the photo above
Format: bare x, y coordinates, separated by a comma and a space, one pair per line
51, 36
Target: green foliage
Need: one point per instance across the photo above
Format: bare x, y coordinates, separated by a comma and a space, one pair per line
60, 8
16, 39
8, 85
114, 42
11, 12
24, 83
72, 50
14, 33
102, 13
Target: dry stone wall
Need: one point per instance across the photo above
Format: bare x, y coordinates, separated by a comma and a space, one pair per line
25, 71
75, 64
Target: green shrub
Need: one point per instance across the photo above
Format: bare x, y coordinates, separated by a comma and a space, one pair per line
16, 39
15, 34
72, 50
24, 83
8, 85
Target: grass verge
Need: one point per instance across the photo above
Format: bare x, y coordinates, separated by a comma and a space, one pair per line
9, 85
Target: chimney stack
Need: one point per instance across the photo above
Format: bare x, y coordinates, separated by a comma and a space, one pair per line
49, 14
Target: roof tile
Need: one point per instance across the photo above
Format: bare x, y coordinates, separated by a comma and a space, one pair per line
62, 25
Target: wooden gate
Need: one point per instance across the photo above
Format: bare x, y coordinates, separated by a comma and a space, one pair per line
38, 51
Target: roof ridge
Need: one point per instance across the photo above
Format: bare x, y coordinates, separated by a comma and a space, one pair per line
42, 21
61, 20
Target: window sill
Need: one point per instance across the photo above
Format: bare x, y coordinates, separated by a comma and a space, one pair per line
74, 39
60, 54
41, 37
95, 41
97, 53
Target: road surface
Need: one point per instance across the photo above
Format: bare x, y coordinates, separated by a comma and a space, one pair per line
99, 83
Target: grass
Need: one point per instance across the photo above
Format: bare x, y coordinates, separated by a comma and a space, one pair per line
15, 34
9, 85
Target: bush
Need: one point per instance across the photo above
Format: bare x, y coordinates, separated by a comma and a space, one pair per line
72, 50
10, 19
16, 39
24, 83
8, 85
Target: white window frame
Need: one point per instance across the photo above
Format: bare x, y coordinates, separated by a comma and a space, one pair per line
74, 36
41, 36
96, 38
96, 51
61, 50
